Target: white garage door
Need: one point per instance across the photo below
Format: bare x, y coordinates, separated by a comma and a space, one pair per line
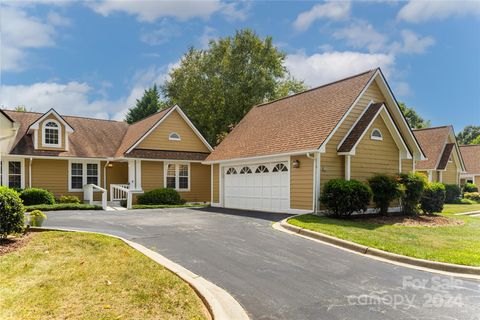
264, 186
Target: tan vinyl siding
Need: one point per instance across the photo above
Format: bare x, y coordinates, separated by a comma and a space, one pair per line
301, 183
216, 184
199, 184
152, 175
450, 175
40, 133
117, 174
407, 165
158, 139
333, 165
476, 181
375, 156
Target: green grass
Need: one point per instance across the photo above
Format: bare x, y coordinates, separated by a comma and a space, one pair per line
452, 244
63, 206
62, 275
165, 206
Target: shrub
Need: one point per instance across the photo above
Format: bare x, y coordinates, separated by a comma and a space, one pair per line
69, 199
160, 196
470, 187
385, 190
474, 196
11, 212
342, 197
33, 196
453, 193
64, 206
433, 198
411, 185
36, 218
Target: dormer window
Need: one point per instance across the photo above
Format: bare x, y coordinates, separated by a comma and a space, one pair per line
51, 133
174, 137
376, 135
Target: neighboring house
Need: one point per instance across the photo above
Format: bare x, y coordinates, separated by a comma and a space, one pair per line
282, 152
65, 153
471, 157
444, 161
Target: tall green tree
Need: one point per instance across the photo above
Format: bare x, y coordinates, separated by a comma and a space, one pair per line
413, 118
147, 105
217, 86
469, 135
21, 109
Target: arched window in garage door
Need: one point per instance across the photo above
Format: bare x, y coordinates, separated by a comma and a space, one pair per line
231, 171
261, 169
280, 167
245, 170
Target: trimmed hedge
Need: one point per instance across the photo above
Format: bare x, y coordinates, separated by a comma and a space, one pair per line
470, 187
63, 206
385, 189
411, 185
11, 212
474, 196
161, 196
433, 198
34, 196
342, 197
453, 193
69, 199
166, 206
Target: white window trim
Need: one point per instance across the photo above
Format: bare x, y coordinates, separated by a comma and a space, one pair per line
177, 180
5, 171
84, 173
59, 128
374, 137
173, 138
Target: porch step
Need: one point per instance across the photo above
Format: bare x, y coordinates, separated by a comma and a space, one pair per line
111, 205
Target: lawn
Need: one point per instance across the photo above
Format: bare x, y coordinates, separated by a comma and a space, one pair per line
167, 206
453, 244
62, 275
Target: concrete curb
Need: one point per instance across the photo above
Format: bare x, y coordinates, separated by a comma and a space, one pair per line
220, 304
427, 265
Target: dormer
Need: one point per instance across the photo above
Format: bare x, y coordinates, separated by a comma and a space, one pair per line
50, 132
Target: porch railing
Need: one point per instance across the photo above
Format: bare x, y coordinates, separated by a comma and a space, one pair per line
119, 192
88, 191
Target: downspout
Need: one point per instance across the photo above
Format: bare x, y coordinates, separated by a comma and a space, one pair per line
30, 172
316, 183
105, 175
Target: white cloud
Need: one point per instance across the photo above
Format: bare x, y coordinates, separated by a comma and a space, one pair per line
149, 11
412, 43
403, 89
21, 32
361, 34
55, 19
321, 68
160, 35
334, 10
421, 11
207, 35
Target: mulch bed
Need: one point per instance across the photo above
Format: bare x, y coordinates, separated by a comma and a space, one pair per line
415, 221
13, 243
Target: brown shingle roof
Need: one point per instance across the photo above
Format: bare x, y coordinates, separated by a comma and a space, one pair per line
471, 157
360, 127
167, 154
442, 164
432, 141
295, 123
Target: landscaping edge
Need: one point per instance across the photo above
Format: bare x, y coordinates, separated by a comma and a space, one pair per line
433, 266
220, 304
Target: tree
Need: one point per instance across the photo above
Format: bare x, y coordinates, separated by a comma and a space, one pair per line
413, 118
147, 105
469, 135
217, 86
21, 109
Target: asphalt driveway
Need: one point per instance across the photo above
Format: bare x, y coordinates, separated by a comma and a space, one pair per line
275, 275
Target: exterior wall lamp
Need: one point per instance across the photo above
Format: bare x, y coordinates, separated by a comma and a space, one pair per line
296, 163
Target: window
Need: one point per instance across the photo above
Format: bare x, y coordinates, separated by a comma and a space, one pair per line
178, 176
51, 134
280, 167
14, 174
174, 136
82, 173
245, 170
261, 169
231, 171
376, 135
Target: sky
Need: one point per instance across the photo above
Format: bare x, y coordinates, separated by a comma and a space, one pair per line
95, 58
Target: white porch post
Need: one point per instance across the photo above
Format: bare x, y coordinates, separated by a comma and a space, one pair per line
440, 176
318, 170
138, 174
131, 174
347, 167
430, 176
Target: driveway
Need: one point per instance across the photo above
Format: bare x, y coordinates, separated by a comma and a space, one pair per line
275, 275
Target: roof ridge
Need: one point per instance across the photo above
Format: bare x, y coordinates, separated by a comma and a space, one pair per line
63, 115
315, 88
153, 114
432, 128
469, 145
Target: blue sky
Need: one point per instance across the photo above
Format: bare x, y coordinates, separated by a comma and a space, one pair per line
95, 58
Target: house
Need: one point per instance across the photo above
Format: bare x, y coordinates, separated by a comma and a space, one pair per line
471, 156
65, 153
282, 152
445, 162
